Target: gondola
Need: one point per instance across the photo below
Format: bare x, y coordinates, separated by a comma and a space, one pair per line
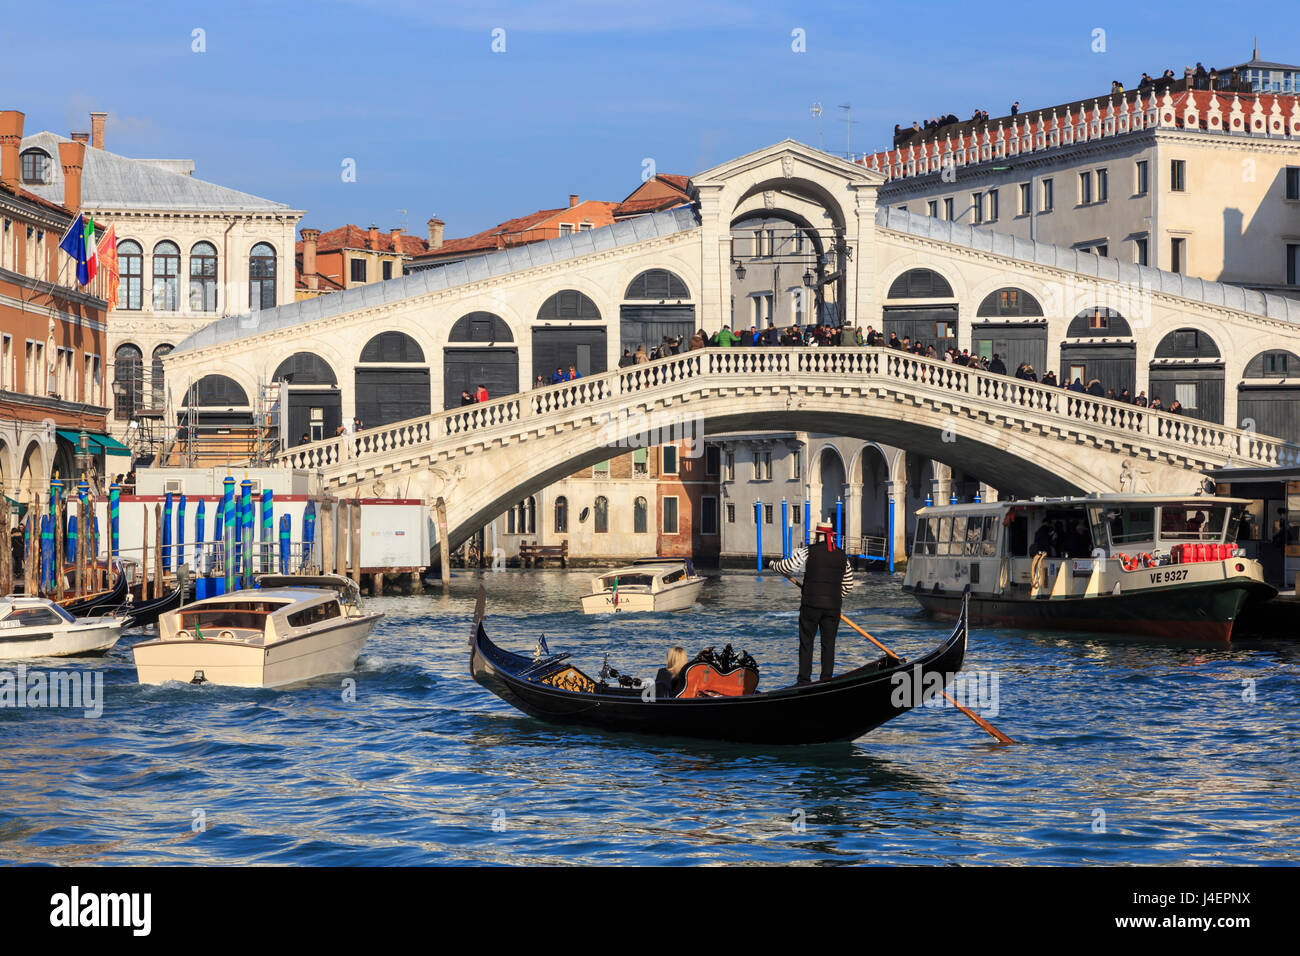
101, 600
840, 709
144, 613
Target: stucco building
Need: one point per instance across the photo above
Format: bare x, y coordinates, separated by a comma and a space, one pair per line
53, 331
188, 251
1195, 181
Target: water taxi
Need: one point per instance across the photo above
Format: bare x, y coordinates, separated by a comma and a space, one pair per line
1149, 564
257, 638
32, 627
654, 584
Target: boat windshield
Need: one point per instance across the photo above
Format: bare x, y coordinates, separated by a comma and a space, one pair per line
244, 614
1131, 525
627, 580
36, 615
1194, 522
970, 535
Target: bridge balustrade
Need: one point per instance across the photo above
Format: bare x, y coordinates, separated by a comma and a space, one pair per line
918, 375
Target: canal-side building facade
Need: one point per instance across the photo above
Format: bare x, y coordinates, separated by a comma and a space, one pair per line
189, 251
1201, 182
53, 333
946, 281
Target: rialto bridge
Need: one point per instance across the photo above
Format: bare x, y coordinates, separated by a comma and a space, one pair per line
391, 353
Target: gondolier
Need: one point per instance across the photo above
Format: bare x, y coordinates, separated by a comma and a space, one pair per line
827, 578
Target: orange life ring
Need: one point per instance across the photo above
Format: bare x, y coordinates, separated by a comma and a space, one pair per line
1127, 563
1147, 560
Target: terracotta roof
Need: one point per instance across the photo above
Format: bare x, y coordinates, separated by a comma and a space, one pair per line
20, 193
673, 192
354, 237
509, 233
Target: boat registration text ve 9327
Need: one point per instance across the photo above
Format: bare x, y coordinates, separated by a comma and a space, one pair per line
1159, 577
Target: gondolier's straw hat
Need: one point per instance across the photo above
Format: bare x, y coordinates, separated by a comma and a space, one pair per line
825, 527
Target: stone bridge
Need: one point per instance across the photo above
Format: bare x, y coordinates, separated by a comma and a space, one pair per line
1022, 438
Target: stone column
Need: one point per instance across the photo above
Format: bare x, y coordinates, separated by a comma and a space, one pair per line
941, 483
853, 511
715, 240
861, 286
897, 492
988, 492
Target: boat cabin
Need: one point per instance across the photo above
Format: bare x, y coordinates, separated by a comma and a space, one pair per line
262, 616
32, 612
648, 577
993, 547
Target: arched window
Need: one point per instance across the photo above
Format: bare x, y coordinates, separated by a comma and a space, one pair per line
130, 266
36, 167
1187, 344
1275, 363
392, 347
1098, 322
128, 384
561, 515
481, 327
203, 277
1009, 302
166, 276
640, 516
920, 284
217, 391
510, 518
657, 284
305, 368
261, 276
566, 306
158, 393
602, 515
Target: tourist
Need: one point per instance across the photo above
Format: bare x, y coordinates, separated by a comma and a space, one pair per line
627, 359
1155, 404
1048, 379
465, 397
481, 393
1141, 400
1095, 389
305, 439
1015, 108
670, 680
640, 358
1077, 386
726, 338
1125, 397
1175, 407
827, 579
997, 366
573, 377
1044, 538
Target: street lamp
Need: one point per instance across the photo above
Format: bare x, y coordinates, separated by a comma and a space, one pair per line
740, 270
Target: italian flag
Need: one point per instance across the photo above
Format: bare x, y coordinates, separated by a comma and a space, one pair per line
92, 252
79, 243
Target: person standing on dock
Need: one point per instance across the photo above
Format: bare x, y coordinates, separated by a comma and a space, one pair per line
827, 579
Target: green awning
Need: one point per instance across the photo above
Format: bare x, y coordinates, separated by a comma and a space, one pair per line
100, 444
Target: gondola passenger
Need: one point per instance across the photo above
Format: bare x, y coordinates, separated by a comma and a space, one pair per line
670, 680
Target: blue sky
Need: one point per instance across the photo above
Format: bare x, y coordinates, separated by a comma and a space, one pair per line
439, 124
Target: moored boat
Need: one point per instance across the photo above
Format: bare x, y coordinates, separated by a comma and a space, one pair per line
32, 627
256, 638
843, 708
1159, 565
657, 584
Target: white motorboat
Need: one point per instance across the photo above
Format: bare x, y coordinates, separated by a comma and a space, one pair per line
33, 627
264, 637
659, 584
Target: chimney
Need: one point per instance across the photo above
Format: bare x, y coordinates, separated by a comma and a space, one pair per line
11, 138
309, 239
97, 129
436, 226
573, 200
81, 138
395, 237
71, 158
374, 236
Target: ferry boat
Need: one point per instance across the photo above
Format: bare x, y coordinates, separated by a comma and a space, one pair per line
1153, 565
263, 637
652, 584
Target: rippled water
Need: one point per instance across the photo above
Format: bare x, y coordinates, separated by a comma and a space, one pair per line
1152, 743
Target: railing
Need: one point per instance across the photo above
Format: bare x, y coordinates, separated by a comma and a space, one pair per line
860, 366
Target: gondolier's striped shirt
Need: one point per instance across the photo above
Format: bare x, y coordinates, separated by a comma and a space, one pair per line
796, 563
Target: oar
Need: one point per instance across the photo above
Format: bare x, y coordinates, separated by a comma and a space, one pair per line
984, 724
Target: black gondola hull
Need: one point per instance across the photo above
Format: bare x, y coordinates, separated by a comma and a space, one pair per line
841, 709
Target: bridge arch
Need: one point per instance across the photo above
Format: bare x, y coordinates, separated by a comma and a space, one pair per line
480, 350
313, 404
1099, 344
34, 469
922, 305
1268, 394
1009, 322
656, 302
1188, 366
391, 380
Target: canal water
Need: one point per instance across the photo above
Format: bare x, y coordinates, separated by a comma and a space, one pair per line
1130, 752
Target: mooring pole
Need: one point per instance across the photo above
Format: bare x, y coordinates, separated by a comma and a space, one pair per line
444, 550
